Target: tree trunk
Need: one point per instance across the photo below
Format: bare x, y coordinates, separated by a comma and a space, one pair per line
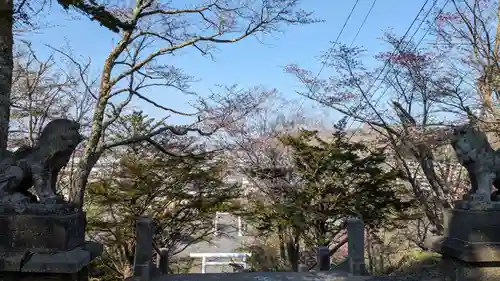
282, 246
90, 153
6, 66
293, 253
80, 180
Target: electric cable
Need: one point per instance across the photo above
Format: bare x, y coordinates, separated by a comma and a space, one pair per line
394, 52
363, 23
336, 40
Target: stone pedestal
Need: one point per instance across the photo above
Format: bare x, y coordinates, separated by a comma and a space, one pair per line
471, 245
42, 233
44, 245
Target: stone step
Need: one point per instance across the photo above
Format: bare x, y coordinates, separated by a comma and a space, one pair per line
260, 276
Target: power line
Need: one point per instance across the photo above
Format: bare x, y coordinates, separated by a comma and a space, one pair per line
418, 43
363, 23
415, 49
392, 54
336, 41
396, 49
388, 60
323, 65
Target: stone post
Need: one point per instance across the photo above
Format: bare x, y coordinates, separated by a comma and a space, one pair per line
323, 258
303, 268
356, 246
162, 261
143, 248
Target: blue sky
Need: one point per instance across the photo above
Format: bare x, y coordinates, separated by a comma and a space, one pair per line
249, 62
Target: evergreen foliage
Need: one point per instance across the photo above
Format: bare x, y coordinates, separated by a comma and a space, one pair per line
181, 193
328, 182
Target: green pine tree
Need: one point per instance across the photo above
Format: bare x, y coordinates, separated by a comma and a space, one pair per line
181, 193
328, 182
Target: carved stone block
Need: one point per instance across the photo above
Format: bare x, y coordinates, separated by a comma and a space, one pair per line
456, 270
42, 232
475, 197
471, 245
473, 226
57, 266
477, 205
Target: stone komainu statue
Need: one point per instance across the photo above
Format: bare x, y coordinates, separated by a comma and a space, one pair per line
475, 153
39, 166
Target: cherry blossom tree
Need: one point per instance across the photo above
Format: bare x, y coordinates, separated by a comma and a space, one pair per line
148, 32
410, 103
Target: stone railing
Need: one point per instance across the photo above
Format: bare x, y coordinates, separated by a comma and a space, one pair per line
353, 269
